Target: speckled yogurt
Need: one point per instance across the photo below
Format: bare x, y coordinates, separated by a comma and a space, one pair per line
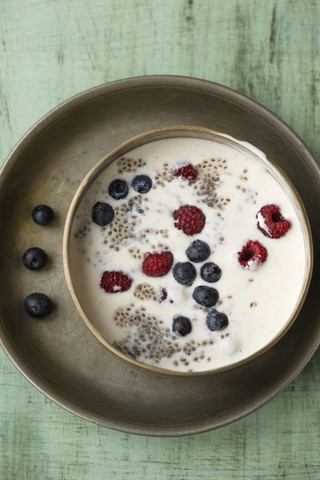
232, 185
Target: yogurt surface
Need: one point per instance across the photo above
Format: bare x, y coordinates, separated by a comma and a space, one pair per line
231, 187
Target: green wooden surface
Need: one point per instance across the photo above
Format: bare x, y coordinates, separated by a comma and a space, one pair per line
53, 49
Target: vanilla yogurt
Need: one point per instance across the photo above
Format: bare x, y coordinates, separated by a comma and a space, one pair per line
233, 184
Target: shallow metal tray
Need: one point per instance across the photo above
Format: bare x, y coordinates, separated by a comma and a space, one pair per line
58, 355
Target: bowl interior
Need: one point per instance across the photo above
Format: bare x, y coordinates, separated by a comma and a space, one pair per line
197, 133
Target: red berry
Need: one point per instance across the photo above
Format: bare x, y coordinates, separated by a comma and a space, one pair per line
252, 254
157, 264
273, 225
163, 295
115, 282
188, 172
189, 219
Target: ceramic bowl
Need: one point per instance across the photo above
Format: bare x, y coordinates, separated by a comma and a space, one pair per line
196, 133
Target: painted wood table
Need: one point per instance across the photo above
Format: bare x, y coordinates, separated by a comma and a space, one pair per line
53, 49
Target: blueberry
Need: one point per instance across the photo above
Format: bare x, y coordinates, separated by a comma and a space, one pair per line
118, 189
42, 214
184, 273
38, 305
216, 321
198, 251
205, 296
210, 272
181, 325
142, 183
34, 258
102, 214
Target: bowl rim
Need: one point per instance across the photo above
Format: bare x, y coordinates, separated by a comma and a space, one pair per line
187, 131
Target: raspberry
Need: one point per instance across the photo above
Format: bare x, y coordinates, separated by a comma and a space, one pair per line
163, 295
157, 264
272, 224
189, 219
115, 282
188, 172
252, 254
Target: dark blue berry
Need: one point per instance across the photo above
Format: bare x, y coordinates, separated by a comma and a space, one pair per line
38, 305
118, 189
42, 214
210, 272
34, 258
181, 325
205, 296
184, 273
198, 251
216, 321
102, 214
142, 183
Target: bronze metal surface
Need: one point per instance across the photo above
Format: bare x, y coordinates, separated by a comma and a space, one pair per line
59, 355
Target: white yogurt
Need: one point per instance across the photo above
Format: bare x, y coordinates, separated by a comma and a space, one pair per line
231, 188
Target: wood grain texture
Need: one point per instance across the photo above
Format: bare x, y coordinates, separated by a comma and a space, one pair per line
53, 49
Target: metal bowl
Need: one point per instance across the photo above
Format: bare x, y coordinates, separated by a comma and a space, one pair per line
198, 133
59, 355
